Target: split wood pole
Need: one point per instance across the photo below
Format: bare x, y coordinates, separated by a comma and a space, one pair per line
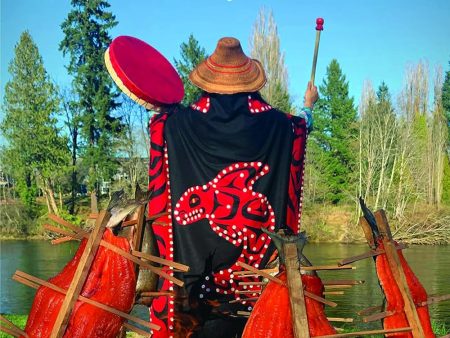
295, 287
80, 275
398, 273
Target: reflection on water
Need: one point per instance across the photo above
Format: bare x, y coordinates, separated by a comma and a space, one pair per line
430, 263
38, 258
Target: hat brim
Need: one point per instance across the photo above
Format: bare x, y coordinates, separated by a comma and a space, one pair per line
249, 79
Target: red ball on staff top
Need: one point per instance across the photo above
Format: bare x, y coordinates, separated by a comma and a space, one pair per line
319, 24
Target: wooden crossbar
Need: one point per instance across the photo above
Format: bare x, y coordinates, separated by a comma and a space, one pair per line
9, 328
364, 333
35, 282
119, 251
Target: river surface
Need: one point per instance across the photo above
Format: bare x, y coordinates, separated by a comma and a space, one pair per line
430, 263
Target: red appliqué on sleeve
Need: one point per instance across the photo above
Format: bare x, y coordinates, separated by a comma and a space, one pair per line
257, 106
202, 105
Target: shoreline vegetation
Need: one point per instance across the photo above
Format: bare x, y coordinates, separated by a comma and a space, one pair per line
322, 223
439, 328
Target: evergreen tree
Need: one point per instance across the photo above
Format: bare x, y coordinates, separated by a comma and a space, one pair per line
86, 31
446, 104
265, 47
34, 148
336, 134
191, 56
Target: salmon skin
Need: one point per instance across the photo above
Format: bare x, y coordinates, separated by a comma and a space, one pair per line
394, 300
272, 318
111, 281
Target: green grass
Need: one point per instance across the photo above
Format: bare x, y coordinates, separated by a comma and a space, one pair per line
18, 320
440, 329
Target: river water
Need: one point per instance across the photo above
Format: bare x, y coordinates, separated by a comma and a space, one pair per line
430, 263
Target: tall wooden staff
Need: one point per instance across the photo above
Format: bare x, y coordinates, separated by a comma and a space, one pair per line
319, 28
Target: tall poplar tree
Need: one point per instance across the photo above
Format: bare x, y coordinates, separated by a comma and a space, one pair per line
265, 47
86, 31
35, 152
335, 133
192, 54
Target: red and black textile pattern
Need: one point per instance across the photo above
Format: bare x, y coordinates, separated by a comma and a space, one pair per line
162, 307
232, 172
294, 205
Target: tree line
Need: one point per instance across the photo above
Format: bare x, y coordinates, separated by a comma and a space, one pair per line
394, 152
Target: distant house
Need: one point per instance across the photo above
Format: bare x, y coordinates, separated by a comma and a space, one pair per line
122, 172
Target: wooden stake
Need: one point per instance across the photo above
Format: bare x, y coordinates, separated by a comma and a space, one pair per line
154, 217
157, 294
119, 251
341, 320
65, 223
252, 272
362, 333
368, 254
247, 291
34, 282
9, 331
378, 316
399, 274
319, 299
76, 236
326, 267
143, 265
368, 310
295, 287
81, 273
62, 240
435, 299
137, 330
243, 300
343, 282
333, 292
179, 266
259, 272
367, 232
251, 283
6, 324
343, 286
129, 223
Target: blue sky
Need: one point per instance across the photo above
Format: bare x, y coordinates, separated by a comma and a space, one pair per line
373, 40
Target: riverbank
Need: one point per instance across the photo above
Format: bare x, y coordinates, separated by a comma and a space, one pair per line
20, 320
322, 223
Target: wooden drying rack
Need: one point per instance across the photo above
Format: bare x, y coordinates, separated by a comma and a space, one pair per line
94, 241
297, 298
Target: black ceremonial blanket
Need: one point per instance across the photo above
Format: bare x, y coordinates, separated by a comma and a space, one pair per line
230, 165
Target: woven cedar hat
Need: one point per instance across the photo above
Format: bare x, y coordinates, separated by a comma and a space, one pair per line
228, 70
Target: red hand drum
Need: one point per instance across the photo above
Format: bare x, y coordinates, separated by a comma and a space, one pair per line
143, 73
